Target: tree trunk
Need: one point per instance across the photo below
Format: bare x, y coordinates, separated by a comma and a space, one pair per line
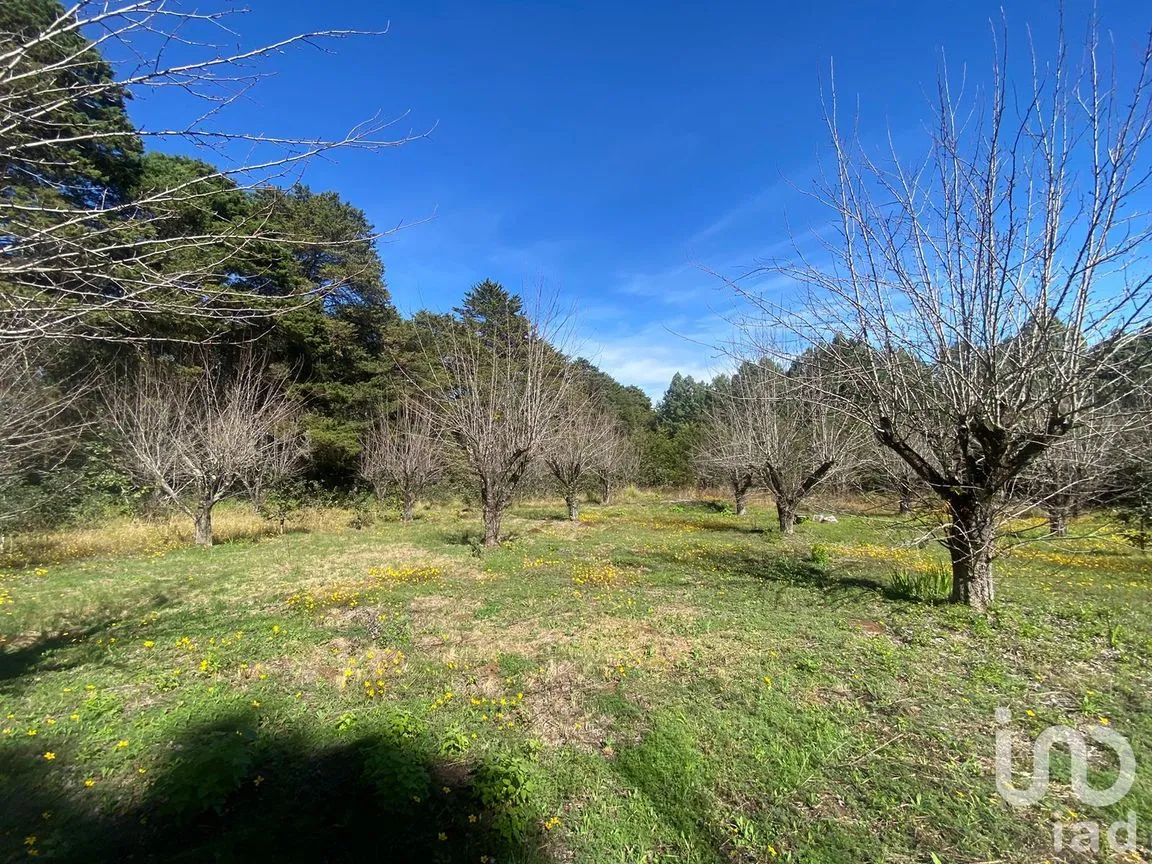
970, 546
786, 515
741, 502
204, 524
409, 505
492, 514
572, 499
605, 492
1057, 523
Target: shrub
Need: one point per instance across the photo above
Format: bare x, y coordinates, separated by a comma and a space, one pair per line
819, 555
504, 786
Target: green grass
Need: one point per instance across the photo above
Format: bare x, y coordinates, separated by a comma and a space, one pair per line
662, 682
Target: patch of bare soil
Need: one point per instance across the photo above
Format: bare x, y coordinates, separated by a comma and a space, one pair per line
557, 699
872, 628
438, 622
316, 665
609, 641
366, 618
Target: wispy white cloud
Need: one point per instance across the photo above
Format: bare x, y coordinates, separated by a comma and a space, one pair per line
640, 324
747, 215
649, 356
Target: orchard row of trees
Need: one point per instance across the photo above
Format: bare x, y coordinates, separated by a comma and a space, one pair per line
127, 273
974, 329
492, 398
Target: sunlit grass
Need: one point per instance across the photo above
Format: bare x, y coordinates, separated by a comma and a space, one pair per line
662, 681
155, 537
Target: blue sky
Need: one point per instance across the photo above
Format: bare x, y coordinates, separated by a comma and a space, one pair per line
611, 150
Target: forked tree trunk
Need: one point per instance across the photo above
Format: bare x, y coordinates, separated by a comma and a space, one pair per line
409, 505
492, 514
970, 546
786, 516
204, 524
572, 500
741, 502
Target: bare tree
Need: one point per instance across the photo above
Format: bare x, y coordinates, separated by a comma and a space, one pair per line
1071, 473
725, 452
81, 254
403, 451
796, 440
497, 384
897, 476
198, 436
616, 463
268, 481
580, 440
35, 421
989, 288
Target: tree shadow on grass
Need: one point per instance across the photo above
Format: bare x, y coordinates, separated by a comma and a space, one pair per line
542, 514
38, 655
774, 567
704, 505
667, 769
232, 792
838, 587
728, 522
470, 537
63, 648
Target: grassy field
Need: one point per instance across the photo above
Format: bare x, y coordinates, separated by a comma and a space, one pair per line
660, 682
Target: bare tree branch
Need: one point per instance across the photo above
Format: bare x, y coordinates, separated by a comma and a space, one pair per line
403, 451
81, 254
197, 437
498, 388
990, 290
582, 440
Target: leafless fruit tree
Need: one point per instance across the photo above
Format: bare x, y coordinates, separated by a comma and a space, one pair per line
1071, 473
580, 440
991, 286
618, 462
796, 440
498, 391
35, 419
199, 436
79, 256
266, 481
403, 451
894, 475
725, 453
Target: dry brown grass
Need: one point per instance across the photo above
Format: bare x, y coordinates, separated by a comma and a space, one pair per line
558, 702
332, 570
126, 536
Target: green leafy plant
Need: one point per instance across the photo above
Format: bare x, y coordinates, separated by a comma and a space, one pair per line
504, 785
454, 743
404, 726
210, 769
926, 586
819, 555
399, 777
